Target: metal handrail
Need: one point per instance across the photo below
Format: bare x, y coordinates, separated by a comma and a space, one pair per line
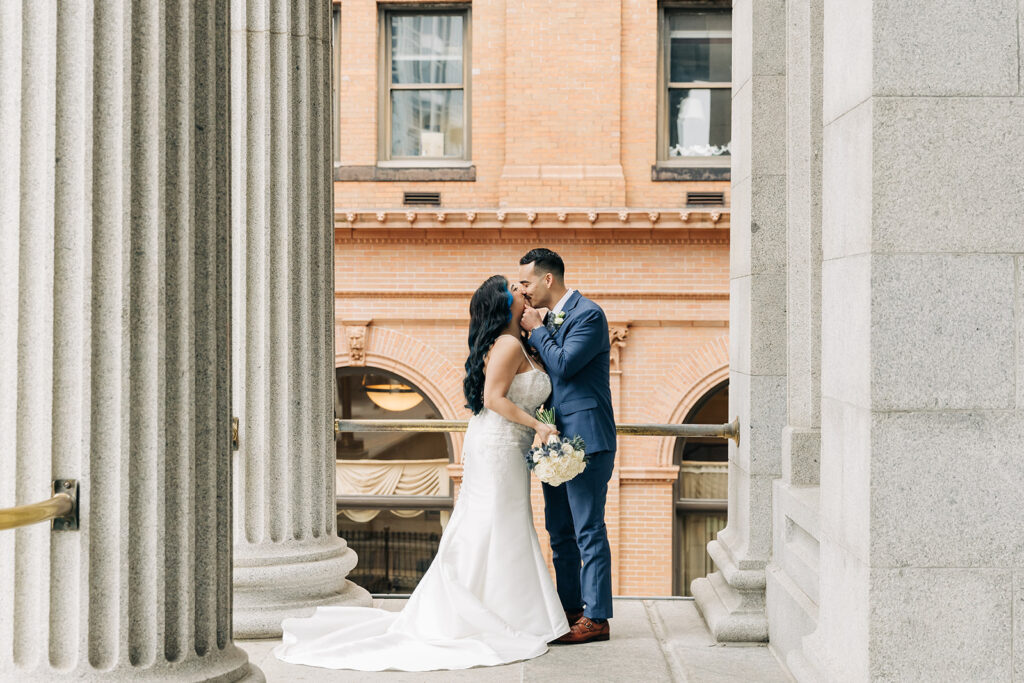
730, 430
61, 510
387, 502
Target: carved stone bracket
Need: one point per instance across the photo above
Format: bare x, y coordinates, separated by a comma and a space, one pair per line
617, 337
356, 333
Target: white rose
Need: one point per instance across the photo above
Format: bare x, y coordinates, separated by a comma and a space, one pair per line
553, 439
543, 469
537, 455
579, 454
566, 469
567, 449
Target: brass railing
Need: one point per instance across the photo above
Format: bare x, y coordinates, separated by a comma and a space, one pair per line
61, 510
730, 430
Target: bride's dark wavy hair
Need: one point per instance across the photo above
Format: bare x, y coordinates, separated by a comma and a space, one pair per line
490, 311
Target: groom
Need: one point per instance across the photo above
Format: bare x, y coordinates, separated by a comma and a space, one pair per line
573, 343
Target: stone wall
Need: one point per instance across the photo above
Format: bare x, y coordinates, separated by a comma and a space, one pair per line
895, 551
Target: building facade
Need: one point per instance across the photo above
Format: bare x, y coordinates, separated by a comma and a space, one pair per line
469, 134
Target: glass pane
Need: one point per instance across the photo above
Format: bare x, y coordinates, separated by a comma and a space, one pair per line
427, 123
700, 47
426, 48
699, 122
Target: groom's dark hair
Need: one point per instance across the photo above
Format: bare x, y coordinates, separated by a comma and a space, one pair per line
545, 261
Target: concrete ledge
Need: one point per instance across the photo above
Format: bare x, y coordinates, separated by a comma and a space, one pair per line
790, 612
374, 174
683, 173
802, 670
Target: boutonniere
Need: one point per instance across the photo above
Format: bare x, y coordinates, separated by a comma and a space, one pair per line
558, 319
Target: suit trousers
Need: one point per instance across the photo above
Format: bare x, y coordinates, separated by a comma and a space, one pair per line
574, 518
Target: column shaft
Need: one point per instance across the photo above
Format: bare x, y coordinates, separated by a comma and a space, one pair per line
792, 576
732, 599
114, 343
288, 557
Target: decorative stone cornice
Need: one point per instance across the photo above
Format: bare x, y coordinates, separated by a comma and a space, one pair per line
525, 236
717, 218
610, 295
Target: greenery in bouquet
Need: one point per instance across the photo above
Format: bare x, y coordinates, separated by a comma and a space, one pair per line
558, 460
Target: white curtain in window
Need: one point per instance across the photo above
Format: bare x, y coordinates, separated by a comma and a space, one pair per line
390, 478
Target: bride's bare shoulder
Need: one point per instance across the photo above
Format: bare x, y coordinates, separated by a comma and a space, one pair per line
503, 347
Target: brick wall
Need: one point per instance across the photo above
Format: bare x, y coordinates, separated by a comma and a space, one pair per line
563, 115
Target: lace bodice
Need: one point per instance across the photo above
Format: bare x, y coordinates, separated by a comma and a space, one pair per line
495, 447
528, 391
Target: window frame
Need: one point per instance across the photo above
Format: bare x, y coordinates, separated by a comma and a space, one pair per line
385, 86
664, 86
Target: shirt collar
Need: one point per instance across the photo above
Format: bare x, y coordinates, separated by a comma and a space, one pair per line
563, 301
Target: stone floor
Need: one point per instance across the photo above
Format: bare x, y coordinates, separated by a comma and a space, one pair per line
652, 640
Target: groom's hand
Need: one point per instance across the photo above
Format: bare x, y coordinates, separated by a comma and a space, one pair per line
532, 319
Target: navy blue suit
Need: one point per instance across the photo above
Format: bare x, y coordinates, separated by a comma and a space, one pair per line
576, 358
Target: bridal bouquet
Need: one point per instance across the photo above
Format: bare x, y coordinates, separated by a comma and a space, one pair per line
558, 460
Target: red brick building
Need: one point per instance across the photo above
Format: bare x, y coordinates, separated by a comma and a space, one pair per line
467, 135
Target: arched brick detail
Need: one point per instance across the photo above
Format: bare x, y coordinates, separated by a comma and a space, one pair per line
431, 372
683, 386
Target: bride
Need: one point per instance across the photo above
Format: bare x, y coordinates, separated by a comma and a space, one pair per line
487, 598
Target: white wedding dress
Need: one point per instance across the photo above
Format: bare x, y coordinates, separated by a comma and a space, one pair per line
486, 599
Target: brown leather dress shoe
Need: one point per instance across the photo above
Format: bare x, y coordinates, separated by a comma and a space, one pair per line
585, 631
572, 616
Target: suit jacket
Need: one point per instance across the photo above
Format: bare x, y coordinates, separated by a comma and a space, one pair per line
576, 359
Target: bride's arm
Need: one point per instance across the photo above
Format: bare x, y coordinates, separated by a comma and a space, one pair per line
502, 363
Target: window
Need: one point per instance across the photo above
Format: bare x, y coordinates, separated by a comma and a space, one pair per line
701, 492
695, 103
396, 539
425, 93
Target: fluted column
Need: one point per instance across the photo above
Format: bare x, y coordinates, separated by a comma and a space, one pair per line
114, 339
288, 557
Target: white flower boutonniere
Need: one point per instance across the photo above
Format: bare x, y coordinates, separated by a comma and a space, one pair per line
558, 319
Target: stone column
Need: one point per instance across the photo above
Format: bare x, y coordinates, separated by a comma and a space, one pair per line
922, 409
792, 575
288, 557
732, 599
114, 340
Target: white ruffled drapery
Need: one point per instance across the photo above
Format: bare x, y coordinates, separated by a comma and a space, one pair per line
390, 478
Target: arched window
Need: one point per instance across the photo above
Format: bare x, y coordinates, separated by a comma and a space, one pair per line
394, 494
700, 492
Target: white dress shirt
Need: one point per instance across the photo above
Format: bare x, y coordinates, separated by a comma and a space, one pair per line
564, 300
